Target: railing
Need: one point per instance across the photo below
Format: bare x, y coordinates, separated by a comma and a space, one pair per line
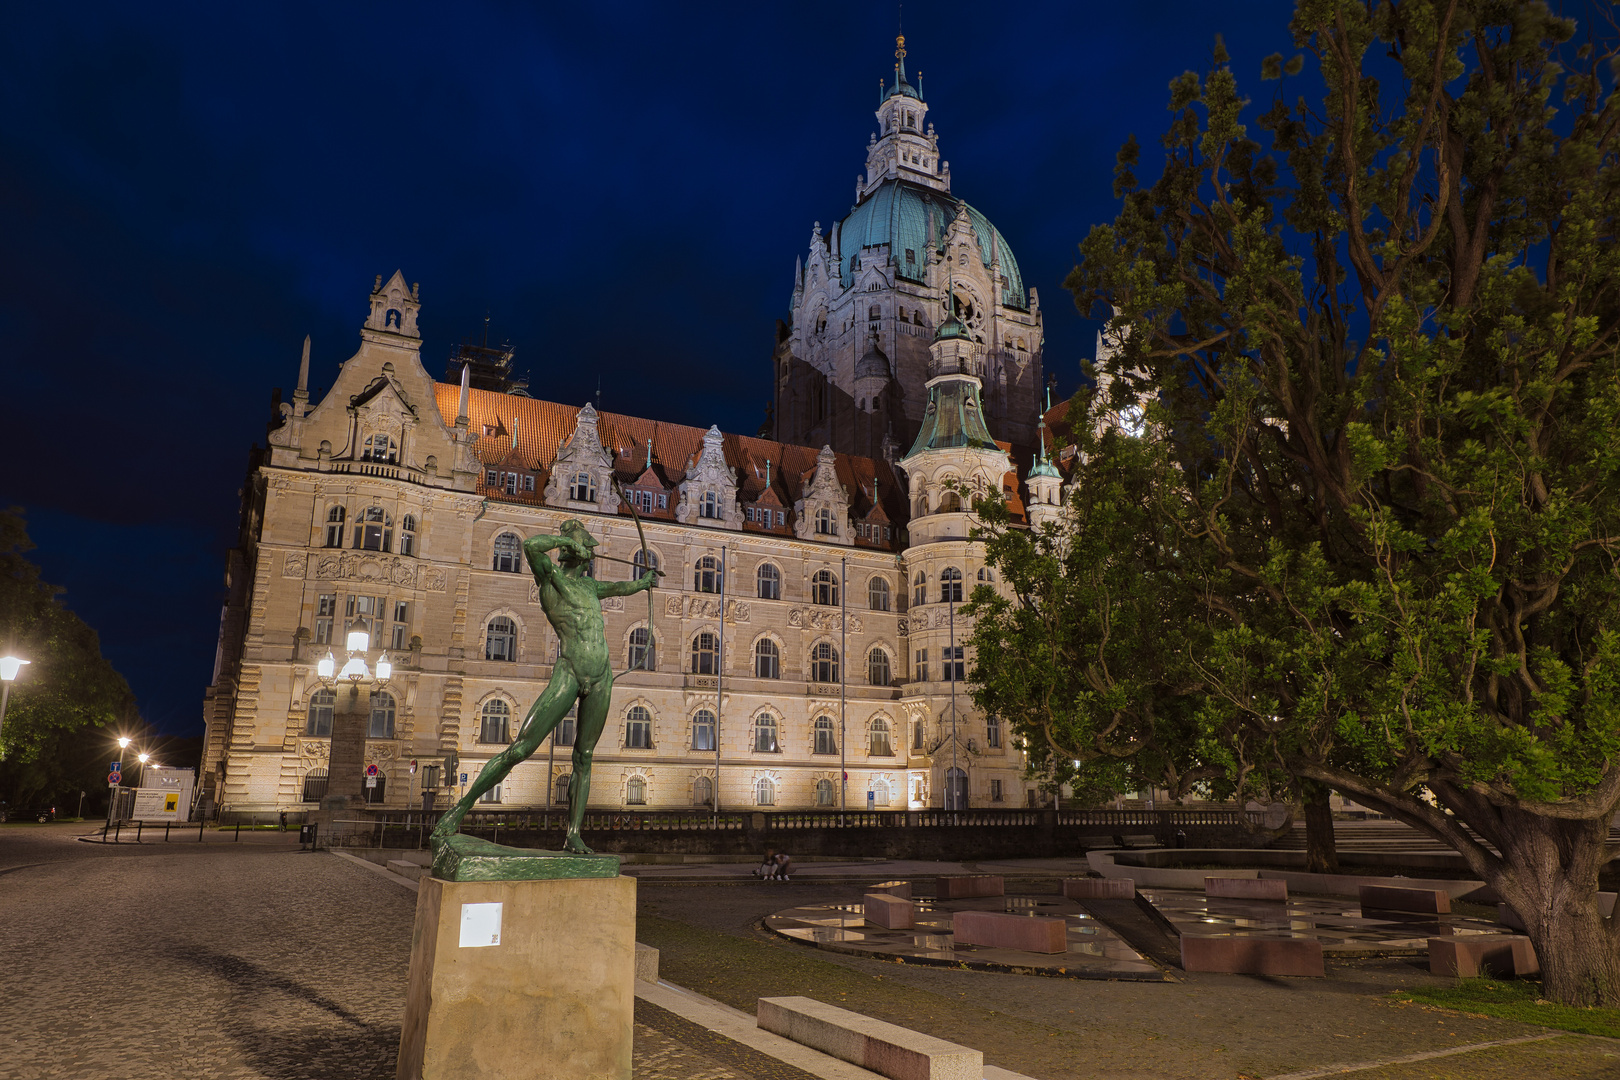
1160, 818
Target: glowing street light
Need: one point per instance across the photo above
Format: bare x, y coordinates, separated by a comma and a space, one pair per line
10, 668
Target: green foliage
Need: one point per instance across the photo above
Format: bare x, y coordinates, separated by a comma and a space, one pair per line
66, 689
1519, 1000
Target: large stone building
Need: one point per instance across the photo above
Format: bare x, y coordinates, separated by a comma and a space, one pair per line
852, 363
803, 648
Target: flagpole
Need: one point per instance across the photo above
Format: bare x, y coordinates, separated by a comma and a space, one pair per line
719, 686
843, 674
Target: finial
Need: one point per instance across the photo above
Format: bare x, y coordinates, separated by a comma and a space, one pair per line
514, 433
767, 472
461, 407
649, 453
303, 371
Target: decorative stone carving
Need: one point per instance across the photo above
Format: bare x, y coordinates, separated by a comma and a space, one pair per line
381, 569
855, 624
313, 753
901, 627
796, 617
381, 754
710, 476
431, 578
672, 606
824, 492
613, 603
327, 566
295, 564
736, 611
583, 453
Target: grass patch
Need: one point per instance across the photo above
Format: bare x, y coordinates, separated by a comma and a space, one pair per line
1518, 999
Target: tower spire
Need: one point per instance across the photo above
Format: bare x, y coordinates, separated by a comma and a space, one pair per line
461, 405
301, 395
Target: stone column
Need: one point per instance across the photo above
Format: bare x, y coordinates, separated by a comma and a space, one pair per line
346, 769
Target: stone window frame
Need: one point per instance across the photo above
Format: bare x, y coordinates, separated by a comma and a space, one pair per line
312, 725
882, 650
756, 728
701, 657
385, 710
508, 553
873, 594
483, 713
760, 579
650, 720
517, 635
824, 585
814, 661
816, 731
873, 730
777, 648
693, 724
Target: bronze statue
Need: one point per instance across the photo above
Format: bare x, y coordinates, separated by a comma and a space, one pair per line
573, 605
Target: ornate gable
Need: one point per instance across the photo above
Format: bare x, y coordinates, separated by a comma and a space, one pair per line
394, 307
582, 475
709, 492
822, 513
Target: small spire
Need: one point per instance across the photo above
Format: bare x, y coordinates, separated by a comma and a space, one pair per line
767, 472
461, 407
649, 452
301, 395
514, 433
899, 59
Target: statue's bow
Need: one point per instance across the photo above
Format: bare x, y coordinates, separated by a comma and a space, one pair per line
646, 565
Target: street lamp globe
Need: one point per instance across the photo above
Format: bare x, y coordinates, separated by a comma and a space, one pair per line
359, 636
326, 667
10, 667
123, 742
354, 670
142, 758
385, 669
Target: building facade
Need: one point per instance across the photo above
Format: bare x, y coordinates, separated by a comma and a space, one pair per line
803, 648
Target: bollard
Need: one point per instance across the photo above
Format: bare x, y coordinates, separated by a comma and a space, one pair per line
238, 832
165, 832
118, 830
201, 821
138, 825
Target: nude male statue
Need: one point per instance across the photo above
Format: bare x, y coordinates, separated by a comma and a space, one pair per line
573, 605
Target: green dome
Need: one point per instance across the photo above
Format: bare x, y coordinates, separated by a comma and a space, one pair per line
875, 363
904, 89
1042, 467
896, 214
951, 328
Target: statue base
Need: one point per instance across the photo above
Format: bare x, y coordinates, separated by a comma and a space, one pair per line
467, 858
521, 978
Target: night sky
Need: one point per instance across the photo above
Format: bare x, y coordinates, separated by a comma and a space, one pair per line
186, 192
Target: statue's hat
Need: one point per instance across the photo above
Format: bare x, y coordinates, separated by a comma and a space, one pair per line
574, 529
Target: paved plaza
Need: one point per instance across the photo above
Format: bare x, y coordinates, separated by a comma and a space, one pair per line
256, 961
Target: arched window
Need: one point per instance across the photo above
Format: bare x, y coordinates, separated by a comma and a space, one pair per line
582, 488
992, 731
500, 640
635, 792
950, 585
880, 745
824, 588
709, 505
878, 670
950, 503
986, 574
880, 793
919, 589
496, 726
767, 660
407, 535
765, 734
378, 448
314, 785
825, 743
703, 791
770, 582
638, 729
320, 714
561, 787
917, 735
705, 654
374, 531
706, 574
381, 725
645, 559
825, 794
641, 650
334, 527
824, 663
765, 792
703, 730
508, 553
877, 594
826, 524
563, 733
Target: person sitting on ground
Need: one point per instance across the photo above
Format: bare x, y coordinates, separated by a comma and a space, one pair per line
767, 866
781, 864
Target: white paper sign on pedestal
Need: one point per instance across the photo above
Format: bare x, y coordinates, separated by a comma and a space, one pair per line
480, 925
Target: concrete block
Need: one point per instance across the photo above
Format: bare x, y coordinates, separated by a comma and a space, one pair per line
902, 889
1090, 888
407, 869
547, 992
1421, 901
957, 886
889, 912
1026, 933
886, 1049
1468, 957
1246, 888
1252, 955
646, 963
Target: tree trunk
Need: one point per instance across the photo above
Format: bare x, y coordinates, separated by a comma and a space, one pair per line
1548, 874
1321, 849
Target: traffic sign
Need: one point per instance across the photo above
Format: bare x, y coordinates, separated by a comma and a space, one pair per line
115, 778
371, 770
463, 778
116, 766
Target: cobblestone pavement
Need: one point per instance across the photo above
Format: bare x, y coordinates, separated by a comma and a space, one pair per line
232, 960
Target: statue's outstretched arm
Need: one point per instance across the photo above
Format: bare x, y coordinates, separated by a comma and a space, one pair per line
625, 588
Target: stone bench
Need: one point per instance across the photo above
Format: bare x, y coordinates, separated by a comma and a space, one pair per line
889, 912
902, 889
1092, 888
1252, 955
646, 963
1026, 933
1389, 898
886, 1049
957, 886
1235, 888
1469, 957
406, 869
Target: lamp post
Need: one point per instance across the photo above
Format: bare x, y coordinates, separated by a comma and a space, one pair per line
10, 668
355, 671
112, 795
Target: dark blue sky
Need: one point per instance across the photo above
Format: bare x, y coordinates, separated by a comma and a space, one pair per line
188, 190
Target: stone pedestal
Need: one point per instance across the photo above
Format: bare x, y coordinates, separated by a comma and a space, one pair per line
555, 997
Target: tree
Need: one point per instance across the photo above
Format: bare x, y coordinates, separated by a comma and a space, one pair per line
1385, 349
67, 687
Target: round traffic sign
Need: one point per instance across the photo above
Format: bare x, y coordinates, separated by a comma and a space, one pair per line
371, 770
114, 779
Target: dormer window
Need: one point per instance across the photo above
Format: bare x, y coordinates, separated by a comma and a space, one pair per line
582, 488
379, 448
709, 506
826, 525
